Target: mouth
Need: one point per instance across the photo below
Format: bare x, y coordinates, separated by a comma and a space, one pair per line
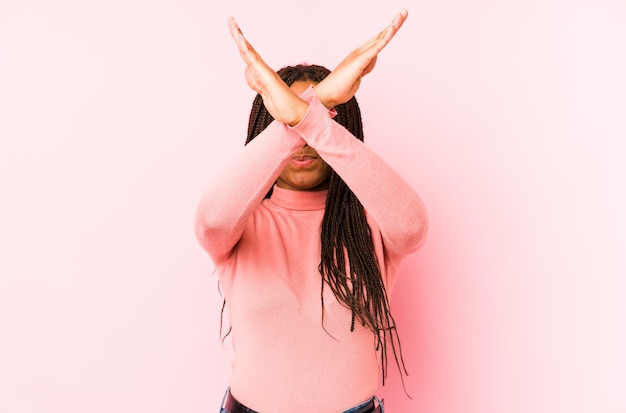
303, 161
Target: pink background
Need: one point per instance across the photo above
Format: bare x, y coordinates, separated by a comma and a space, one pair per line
509, 118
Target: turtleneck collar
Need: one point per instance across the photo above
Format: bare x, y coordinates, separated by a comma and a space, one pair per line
299, 200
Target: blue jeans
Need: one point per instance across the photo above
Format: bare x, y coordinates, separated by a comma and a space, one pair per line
358, 406
350, 410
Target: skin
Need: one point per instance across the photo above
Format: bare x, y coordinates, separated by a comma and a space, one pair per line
307, 171
338, 87
299, 174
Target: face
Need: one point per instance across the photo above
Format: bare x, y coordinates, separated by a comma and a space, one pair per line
306, 170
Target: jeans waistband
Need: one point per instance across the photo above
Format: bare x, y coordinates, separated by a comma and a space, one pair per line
231, 405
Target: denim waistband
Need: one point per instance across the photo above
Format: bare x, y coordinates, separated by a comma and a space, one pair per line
354, 409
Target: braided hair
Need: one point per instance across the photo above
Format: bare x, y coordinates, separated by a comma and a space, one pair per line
345, 234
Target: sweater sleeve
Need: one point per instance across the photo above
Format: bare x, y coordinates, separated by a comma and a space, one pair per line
233, 195
385, 195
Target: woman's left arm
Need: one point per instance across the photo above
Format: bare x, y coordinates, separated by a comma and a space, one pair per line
387, 197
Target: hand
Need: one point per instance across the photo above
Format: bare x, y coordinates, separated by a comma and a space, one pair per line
281, 102
339, 86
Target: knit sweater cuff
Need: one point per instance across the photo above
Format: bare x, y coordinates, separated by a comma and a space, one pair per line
309, 96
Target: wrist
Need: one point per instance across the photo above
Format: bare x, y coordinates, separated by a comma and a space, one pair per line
323, 97
299, 113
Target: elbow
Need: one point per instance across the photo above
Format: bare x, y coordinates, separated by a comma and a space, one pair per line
207, 227
202, 231
415, 229
421, 230
213, 233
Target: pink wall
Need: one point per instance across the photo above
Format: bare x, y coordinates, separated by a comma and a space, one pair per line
508, 117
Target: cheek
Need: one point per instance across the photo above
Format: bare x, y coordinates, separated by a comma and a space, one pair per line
326, 170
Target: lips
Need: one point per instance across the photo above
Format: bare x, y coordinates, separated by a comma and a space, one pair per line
303, 161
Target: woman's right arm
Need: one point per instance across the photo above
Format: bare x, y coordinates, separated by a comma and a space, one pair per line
236, 192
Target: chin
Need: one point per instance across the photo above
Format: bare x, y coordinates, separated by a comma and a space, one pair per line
317, 185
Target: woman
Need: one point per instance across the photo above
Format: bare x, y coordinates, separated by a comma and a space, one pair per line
307, 229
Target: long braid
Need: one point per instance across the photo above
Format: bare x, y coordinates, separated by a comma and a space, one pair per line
345, 234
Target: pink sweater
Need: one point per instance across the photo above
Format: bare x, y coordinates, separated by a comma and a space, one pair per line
267, 254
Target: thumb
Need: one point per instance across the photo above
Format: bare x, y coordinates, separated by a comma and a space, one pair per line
370, 66
251, 80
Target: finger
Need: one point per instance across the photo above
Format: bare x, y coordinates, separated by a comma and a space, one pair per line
384, 37
247, 52
395, 25
259, 75
238, 37
242, 43
377, 43
235, 31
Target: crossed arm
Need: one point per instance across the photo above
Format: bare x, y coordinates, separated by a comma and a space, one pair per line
301, 120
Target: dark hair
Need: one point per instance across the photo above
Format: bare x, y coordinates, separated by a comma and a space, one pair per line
345, 234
